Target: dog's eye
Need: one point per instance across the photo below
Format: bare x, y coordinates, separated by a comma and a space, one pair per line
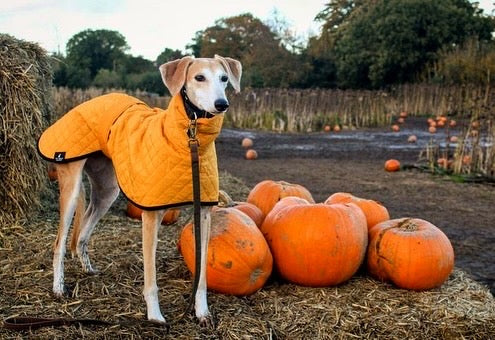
224, 78
200, 77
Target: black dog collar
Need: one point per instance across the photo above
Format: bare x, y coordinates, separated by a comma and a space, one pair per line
192, 110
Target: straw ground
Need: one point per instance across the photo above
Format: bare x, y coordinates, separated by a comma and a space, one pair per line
362, 307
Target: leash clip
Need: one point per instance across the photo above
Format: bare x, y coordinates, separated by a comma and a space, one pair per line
192, 128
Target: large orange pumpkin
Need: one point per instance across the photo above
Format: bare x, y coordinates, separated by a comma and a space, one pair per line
318, 244
171, 215
410, 252
267, 193
239, 260
374, 211
277, 208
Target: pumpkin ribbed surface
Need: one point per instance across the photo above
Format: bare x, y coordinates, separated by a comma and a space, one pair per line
267, 193
374, 211
317, 244
239, 260
410, 252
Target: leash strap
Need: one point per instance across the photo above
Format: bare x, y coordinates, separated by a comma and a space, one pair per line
26, 323
194, 146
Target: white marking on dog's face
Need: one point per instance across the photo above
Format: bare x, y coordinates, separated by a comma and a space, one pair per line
205, 85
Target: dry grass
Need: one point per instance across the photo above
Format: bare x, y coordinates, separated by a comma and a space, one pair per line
472, 158
296, 110
361, 308
64, 99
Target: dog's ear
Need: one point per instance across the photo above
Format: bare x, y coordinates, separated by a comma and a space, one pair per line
234, 70
174, 73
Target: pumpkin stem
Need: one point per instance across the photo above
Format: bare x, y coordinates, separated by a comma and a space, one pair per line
407, 225
224, 200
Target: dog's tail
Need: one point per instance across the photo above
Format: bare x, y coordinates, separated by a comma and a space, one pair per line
78, 217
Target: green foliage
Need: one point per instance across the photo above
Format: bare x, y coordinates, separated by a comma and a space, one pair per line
470, 63
382, 42
362, 44
168, 55
131, 64
96, 49
150, 81
107, 79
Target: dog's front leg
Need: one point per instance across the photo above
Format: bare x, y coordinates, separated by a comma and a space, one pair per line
151, 223
200, 300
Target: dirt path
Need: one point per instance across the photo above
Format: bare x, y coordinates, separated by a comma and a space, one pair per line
353, 162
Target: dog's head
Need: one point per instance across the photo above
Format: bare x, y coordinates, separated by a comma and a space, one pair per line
204, 80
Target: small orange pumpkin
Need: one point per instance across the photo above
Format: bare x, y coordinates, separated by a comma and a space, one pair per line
267, 193
374, 211
239, 261
225, 201
247, 142
318, 245
395, 128
52, 172
410, 252
444, 162
392, 165
251, 154
171, 215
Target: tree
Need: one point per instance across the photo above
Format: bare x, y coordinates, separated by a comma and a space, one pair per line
107, 79
168, 55
265, 61
379, 42
95, 50
130, 64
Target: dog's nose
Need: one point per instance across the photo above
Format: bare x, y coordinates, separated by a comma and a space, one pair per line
221, 105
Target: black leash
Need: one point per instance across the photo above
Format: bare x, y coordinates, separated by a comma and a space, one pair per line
194, 147
26, 323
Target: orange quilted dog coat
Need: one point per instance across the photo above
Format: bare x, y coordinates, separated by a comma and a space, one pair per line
148, 147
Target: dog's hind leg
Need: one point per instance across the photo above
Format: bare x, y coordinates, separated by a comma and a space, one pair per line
151, 223
104, 191
70, 183
78, 220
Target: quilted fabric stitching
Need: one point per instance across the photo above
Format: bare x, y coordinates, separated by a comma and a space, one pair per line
153, 130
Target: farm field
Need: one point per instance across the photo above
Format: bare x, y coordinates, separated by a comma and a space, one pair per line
325, 163
352, 161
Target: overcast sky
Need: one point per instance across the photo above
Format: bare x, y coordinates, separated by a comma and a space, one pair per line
149, 26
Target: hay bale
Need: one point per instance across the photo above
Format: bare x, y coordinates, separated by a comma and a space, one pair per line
25, 83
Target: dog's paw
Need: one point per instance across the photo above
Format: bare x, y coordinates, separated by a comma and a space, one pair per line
61, 293
158, 319
91, 271
207, 321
